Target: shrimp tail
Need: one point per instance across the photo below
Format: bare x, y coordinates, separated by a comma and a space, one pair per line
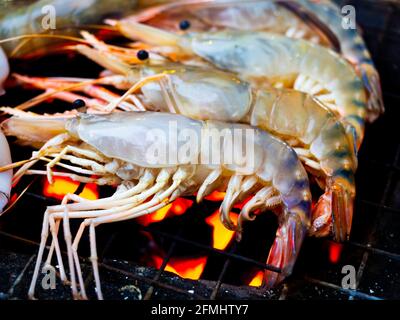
33, 130
334, 213
342, 212
285, 249
355, 140
372, 83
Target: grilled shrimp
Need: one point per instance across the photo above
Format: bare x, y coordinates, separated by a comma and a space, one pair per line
115, 147
298, 118
208, 94
264, 58
5, 177
306, 19
212, 15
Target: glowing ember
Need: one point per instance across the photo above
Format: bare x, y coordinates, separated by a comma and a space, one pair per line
157, 216
335, 250
221, 236
180, 205
62, 186
241, 204
177, 208
185, 268
13, 198
216, 196
257, 280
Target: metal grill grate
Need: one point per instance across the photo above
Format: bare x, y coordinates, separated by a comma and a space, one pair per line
374, 248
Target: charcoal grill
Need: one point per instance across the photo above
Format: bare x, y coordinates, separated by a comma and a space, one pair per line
374, 247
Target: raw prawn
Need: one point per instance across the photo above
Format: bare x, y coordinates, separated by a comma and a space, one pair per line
306, 19
208, 94
114, 148
264, 58
212, 15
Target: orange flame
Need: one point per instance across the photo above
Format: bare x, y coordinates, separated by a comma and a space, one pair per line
157, 216
221, 235
185, 268
242, 204
176, 208
335, 250
257, 280
215, 196
61, 186
180, 205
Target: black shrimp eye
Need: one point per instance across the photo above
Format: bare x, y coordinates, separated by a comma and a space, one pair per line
184, 25
78, 103
142, 55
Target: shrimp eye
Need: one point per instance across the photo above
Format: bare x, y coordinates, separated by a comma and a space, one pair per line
78, 103
184, 25
142, 55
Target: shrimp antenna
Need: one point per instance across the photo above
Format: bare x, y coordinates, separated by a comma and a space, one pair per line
17, 164
38, 35
27, 37
99, 27
46, 95
12, 205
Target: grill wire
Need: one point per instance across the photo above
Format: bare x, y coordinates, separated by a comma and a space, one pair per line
374, 247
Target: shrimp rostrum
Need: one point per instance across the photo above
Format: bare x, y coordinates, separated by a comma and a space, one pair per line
154, 164
295, 117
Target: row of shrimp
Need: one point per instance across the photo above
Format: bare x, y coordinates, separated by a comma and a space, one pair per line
283, 71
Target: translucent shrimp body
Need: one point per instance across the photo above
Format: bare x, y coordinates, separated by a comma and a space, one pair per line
297, 118
353, 49
264, 58
208, 15
306, 19
118, 143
